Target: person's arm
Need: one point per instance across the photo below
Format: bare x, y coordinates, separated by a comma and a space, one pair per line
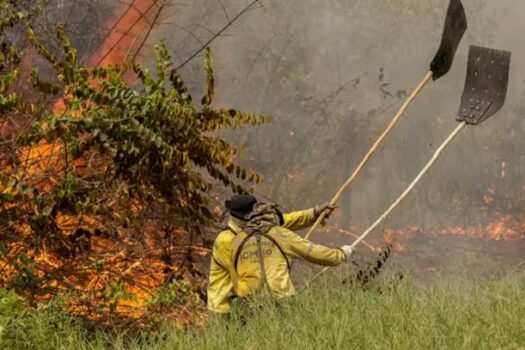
219, 288
299, 220
220, 285
298, 247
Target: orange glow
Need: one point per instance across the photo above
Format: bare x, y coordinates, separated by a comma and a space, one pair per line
129, 27
506, 228
293, 177
353, 235
392, 237
107, 259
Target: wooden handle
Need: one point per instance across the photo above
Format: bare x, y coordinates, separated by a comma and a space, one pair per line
372, 150
409, 189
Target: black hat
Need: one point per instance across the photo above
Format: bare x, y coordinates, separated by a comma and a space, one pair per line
240, 205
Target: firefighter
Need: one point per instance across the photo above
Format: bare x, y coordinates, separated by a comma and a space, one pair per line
254, 253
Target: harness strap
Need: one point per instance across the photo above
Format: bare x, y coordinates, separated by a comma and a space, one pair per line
270, 238
274, 241
238, 252
264, 280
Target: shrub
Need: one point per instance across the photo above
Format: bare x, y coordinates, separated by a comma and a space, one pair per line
105, 194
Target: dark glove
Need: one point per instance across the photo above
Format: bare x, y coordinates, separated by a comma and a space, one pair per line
326, 207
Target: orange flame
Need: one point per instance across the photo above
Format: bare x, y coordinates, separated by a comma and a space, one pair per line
126, 31
114, 49
506, 228
44, 162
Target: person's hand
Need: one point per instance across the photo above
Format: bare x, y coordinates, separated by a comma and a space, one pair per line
326, 207
348, 250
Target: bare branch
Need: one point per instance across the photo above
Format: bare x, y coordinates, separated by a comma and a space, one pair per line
219, 33
224, 10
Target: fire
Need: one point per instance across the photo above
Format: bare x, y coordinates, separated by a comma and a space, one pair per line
389, 239
44, 163
127, 29
505, 228
114, 49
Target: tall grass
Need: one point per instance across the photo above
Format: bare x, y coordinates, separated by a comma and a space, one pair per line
449, 314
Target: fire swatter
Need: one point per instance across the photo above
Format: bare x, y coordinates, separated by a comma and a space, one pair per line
484, 94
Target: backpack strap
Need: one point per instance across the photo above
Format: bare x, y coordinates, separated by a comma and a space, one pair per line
274, 241
263, 283
238, 252
228, 228
267, 236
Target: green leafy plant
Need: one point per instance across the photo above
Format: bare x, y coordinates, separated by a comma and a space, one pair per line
110, 173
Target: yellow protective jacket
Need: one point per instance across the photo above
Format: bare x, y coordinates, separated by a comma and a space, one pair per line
281, 247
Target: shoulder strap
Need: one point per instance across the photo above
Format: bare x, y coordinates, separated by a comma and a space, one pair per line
263, 283
270, 238
238, 252
274, 241
228, 228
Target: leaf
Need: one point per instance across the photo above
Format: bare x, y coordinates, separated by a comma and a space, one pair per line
158, 141
138, 155
210, 80
47, 210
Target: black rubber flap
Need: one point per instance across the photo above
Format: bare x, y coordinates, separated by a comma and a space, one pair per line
486, 84
455, 27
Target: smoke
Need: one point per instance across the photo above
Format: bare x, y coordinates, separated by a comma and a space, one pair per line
332, 73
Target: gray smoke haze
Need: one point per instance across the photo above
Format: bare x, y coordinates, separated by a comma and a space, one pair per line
332, 73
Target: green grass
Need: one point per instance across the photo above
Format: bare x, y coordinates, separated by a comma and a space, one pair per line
451, 314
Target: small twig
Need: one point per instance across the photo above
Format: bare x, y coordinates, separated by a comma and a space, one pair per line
110, 30
218, 34
68, 18
66, 162
224, 10
141, 16
189, 32
150, 29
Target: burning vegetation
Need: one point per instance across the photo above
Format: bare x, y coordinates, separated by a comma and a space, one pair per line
107, 168
105, 190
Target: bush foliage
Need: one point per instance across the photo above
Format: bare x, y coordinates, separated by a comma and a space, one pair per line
106, 185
